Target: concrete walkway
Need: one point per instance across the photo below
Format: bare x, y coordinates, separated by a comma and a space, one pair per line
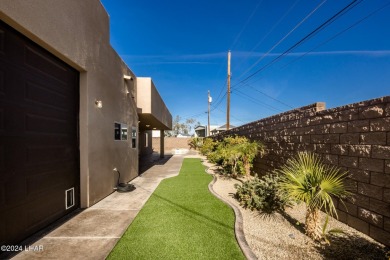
92, 233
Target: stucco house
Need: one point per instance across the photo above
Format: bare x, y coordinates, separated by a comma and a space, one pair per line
70, 112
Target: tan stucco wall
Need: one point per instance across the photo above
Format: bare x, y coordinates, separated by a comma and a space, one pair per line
170, 144
150, 101
144, 87
78, 33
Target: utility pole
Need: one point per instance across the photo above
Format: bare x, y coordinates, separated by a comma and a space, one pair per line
228, 95
209, 100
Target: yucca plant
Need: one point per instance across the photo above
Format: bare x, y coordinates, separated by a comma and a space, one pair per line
305, 178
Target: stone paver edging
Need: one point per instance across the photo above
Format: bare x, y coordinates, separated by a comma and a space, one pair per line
238, 226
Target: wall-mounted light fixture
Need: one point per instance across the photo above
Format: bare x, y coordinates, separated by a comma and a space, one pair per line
154, 128
127, 77
98, 103
147, 125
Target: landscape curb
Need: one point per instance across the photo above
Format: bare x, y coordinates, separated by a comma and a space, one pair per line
238, 225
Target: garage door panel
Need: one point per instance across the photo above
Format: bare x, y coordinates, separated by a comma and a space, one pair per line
46, 97
42, 63
36, 92
15, 190
12, 80
2, 196
2, 36
31, 153
11, 166
2, 158
44, 154
2, 119
13, 48
2, 85
46, 124
16, 121
39, 156
43, 182
14, 222
51, 175
45, 209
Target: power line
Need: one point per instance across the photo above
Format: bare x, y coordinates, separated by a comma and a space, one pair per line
215, 106
316, 47
246, 24
233, 116
195, 115
321, 44
268, 33
217, 100
261, 92
284, 37
343, 11
338, 34
256, 101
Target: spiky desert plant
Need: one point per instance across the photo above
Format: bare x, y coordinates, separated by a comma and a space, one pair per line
305, 178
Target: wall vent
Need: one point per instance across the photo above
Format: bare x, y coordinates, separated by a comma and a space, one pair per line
69, 198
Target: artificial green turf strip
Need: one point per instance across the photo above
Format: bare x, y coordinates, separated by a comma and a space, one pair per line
181, 220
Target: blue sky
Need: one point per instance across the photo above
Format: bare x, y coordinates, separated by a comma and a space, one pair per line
182, 45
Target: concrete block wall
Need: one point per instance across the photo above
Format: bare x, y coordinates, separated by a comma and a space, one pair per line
355, 137
171, 143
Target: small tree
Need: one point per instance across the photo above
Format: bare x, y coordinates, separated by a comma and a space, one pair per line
231, 160
249, 150
236, 154
179, 127
305, 178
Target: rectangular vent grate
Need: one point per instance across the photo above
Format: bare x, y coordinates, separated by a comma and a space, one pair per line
69, 198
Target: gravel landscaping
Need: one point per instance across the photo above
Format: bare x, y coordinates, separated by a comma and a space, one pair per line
280, 236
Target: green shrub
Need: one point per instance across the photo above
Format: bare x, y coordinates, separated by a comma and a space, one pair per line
261, 194
236, 155
195, 143
216, 156
208, 146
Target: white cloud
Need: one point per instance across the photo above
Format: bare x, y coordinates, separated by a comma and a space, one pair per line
319, 53
212, 58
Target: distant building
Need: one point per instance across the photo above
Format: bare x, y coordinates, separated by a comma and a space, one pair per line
220, 129
201, 130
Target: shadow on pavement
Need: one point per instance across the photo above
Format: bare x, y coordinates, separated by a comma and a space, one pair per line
148, 161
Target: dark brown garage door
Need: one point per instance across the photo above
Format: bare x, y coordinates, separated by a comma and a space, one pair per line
39, 156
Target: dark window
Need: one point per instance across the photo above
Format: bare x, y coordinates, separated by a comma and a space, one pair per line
133, 137
117, 134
